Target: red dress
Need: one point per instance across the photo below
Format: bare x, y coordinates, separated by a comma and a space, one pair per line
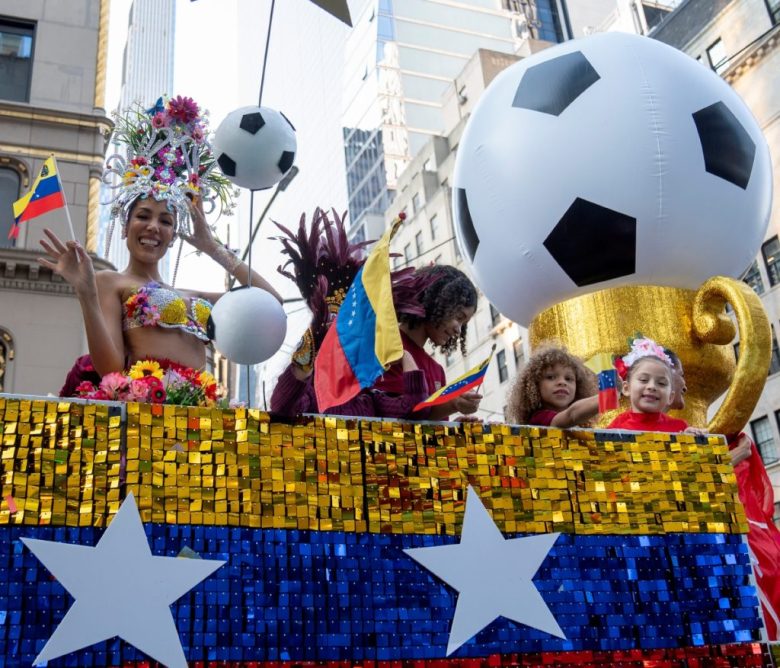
543, 417
757, 496
648, 422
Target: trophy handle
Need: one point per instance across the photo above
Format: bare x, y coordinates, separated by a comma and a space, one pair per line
712, 325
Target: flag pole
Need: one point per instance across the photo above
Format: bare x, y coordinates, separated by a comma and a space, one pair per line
64, 199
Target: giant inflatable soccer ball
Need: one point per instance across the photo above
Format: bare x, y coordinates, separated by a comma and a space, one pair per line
255, 147
606, 161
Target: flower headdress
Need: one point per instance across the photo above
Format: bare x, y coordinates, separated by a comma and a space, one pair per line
641, 347
167, 157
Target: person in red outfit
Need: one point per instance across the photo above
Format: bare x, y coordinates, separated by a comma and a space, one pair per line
555, 389
646, 372
758, 499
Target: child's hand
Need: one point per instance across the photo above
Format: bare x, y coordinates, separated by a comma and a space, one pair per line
696, 431
467, 403
741, 451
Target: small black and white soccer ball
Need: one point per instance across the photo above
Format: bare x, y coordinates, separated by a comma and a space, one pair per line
611, 160
255, 147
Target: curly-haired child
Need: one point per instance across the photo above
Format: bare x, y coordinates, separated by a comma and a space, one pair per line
554, 389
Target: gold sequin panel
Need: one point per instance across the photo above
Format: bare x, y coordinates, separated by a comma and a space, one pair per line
59, 462
238, 468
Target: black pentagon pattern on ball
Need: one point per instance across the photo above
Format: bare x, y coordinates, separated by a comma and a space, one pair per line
286, 161
468, 234
727, 147
592, 243
252, 122
226, 164
553, 85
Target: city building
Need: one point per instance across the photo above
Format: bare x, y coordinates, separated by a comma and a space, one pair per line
740, 40
147, 73
52, 87
400, 59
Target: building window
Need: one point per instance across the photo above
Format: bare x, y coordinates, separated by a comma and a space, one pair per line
771, 252
415, 202
774, 362
503, 372
16, 48
495, 316
434, 226
716, 53
517, 347
776, 518
753, 278
408, 253
765, 440
359, 235
418, 243
6, 357
10, 186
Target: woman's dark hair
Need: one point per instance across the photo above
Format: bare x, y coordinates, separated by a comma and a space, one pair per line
450, 291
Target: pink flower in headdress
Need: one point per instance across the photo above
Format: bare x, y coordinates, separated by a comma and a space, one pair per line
139, 161
165, 175
193, 183
197, 135
160, 120
183, 109
166, 155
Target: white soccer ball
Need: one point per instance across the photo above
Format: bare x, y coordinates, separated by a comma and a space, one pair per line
611, 160
255, 147
248, 325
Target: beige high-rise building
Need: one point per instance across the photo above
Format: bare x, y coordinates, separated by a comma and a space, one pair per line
52, 85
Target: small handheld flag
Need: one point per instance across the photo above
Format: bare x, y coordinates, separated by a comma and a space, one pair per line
365, 338
602, 365
45, 195
462, 384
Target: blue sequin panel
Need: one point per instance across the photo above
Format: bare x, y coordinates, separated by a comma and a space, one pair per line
306, 595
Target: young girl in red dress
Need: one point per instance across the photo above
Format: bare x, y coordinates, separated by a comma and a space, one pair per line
647, 374
555, 389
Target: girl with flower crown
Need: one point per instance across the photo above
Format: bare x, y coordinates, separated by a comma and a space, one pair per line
647, 373
147, 340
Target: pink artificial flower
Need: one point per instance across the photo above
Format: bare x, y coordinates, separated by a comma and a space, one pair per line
183, 109
85, 388
139, 390
165, 175
139, 162
197, 135
160, 120
114, 384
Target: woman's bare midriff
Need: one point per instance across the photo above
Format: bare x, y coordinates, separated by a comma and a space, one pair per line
172, 344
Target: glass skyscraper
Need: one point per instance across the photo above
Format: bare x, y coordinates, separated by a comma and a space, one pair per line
400, 58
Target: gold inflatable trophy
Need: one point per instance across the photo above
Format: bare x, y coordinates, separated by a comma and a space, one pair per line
694, 324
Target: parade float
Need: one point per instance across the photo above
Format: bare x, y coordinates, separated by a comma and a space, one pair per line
132, 533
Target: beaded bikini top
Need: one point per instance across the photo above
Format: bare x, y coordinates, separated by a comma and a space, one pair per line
152, 305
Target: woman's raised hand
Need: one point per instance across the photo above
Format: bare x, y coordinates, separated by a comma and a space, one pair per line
70, 261
201, 238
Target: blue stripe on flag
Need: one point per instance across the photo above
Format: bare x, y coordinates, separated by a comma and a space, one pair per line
47, 186
307, 595
356, 329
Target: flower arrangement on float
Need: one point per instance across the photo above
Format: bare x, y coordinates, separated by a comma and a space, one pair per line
149, 381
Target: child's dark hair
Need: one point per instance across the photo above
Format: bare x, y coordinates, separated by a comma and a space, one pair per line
449, 291
524, 398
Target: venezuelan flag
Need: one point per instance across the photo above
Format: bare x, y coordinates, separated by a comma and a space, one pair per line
313, 519
45, 195
365, 338
602, 365
460, 385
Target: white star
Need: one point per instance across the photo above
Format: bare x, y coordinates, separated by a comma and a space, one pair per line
120, 590
492, 575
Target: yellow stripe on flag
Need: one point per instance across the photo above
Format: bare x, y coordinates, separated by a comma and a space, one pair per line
376, 282
49, 169
600, 362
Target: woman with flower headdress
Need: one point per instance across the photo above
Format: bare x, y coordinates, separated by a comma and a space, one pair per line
147, 340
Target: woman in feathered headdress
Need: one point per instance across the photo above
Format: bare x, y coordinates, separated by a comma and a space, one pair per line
147, 340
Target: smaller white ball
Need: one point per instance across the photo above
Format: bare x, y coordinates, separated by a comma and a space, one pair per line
248, 325
255, 147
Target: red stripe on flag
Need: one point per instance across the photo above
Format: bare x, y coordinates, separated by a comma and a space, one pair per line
38, 207
444, 398
334, 381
